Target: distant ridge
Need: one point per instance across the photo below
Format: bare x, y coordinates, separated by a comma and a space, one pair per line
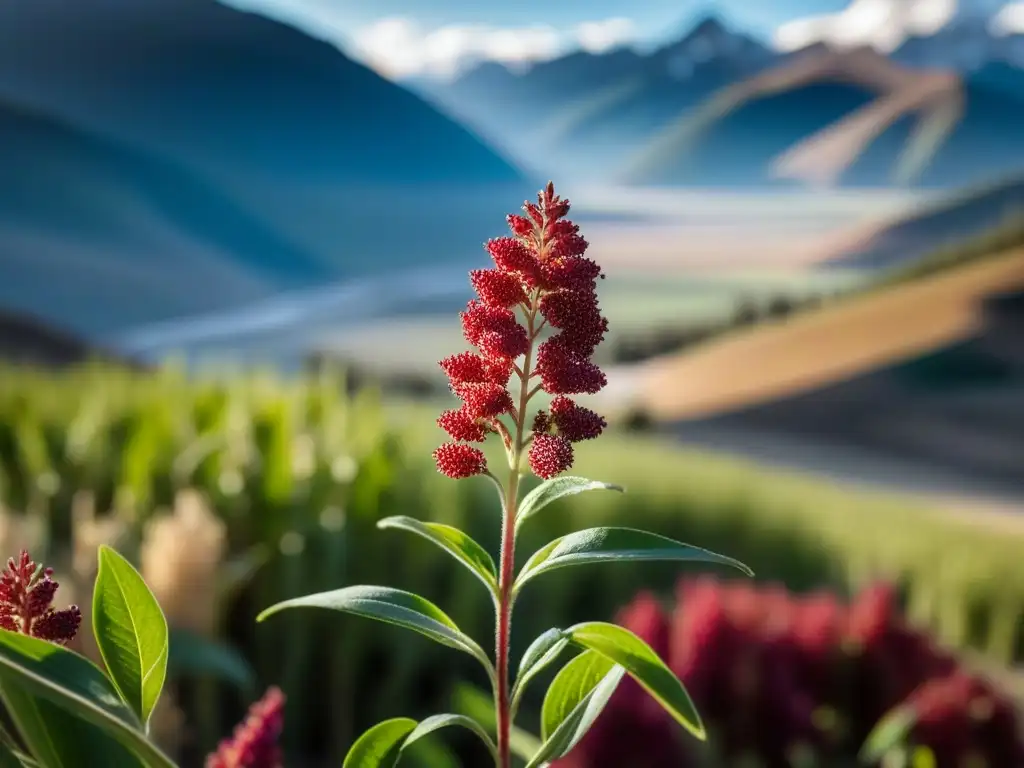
29, 340
717, 108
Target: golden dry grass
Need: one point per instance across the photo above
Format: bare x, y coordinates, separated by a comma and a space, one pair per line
825, 346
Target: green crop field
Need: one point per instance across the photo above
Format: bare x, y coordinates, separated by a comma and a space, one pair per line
293, 475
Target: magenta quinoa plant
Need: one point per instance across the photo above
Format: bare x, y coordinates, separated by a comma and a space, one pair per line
27, 591
534, 326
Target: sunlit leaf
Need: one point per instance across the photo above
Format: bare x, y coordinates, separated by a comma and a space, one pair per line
542, 652
576, 697
57, 737
393, 606
75, 684
554, 489
382, 745
604, 545
621, 646
131, 632
453, 541
890, 732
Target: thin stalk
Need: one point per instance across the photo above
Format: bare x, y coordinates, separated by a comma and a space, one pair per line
507, 559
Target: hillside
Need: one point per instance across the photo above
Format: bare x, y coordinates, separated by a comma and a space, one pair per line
175, 157
27, 340
826, 118
970, 214
828, 346
99, 235
229, 91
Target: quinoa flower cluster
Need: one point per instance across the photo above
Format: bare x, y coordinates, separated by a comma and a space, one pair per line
26, 602
254, 744
541, 283
775, 674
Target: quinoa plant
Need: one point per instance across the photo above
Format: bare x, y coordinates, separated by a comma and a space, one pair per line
534, 326
66, 711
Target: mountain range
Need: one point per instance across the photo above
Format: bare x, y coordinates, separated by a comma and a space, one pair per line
173, 157
720, 108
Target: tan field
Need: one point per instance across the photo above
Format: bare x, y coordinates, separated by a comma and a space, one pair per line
823, 347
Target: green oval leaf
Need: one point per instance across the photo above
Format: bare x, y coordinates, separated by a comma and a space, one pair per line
392, 606
193, 654
131, 632
638, 659
556, 488
436, 722
576, 697
56, 736
541, 653
603, 545
382, 745
76, 685
889, 733
453, 541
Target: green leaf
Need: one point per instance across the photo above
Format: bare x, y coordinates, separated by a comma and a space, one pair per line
131, 632
73, 683
193, 654
576, 697
630, 652
923, 757
436, 722
11, 756
393, 606
479, 705
601, 545
382, 745
8, 759
453, 541
541, 653
57, 737
889, 733
556, 488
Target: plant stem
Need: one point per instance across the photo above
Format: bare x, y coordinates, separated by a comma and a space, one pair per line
507, 560
501, 652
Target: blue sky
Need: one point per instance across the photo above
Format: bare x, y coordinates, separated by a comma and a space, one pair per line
652, 17
407, 38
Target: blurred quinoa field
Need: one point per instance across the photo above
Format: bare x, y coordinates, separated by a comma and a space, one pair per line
231, 494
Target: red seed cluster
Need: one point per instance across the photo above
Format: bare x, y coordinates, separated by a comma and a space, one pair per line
562, 372
26, 602
497, 288
774, 675
459, 460
574, 422
541, 281
550, 455
254, 744
462, 425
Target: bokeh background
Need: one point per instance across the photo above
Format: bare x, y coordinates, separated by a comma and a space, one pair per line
233, 243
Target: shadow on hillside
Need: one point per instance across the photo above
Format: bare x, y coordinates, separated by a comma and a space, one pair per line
952, 415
